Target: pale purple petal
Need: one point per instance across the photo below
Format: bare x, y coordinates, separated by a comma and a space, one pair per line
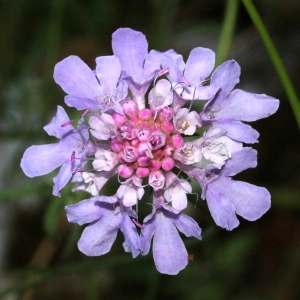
131, 48
244, 106
215, 132
76, 78
54, 128
221, 208
170, 255
160, 96
226, 76
171, 60
106, 199
154, 63
103, 126
132, 241
204, 92
92, 182
85, 211
250, 201
241, 160
81, 103
43, 159
239, 131
98, 238
199, 65
63, 177
178, 198
138, 91
188, 226
108, 71
147, 233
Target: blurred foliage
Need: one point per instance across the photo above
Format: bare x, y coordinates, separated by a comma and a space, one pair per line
39, 258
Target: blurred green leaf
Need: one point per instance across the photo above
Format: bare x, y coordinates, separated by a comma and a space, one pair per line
285, 197
227, 31
15, 194
52, 217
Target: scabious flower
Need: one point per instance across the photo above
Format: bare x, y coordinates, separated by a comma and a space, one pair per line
138, 126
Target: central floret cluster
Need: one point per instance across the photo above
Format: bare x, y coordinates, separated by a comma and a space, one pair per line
145, 142
144, 126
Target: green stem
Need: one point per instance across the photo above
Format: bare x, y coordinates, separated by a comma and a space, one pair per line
276, 60
227, 30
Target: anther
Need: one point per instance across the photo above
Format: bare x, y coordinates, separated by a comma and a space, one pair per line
184, 125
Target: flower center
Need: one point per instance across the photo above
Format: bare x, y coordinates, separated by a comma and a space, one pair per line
145, 143
107, 101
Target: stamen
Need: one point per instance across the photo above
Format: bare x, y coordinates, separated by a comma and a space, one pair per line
137, 224
85, 112
184, 125
160, 73
67, 123
192, 99
77, 171
73, 157
185, 81
187, 152
163, 72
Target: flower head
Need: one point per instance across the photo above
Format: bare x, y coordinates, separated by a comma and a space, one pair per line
146, 130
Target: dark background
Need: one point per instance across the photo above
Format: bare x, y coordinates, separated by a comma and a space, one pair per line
38, 254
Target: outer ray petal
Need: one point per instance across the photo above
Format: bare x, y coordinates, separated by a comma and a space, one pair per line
244, 106
250, 201
98, 238
170, 255
239, 131
132, 240
54, 128
226, 76
131, 48
76, 78
43, 159
85, 211
108, 71
199, 65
